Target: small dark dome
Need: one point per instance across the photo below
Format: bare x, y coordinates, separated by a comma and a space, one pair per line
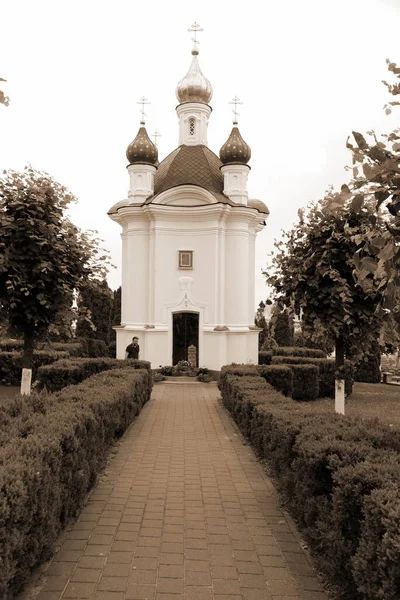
142, 150
235, 149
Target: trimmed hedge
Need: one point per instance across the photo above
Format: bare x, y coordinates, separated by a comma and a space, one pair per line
58, 445
305, 382
296, 351
327, 369
280, 377
72, 371
11, 364
92, 348
264, 357
339, 477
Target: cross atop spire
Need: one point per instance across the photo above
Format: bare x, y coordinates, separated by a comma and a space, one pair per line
155, 135
143, 101
195, 28
235, 100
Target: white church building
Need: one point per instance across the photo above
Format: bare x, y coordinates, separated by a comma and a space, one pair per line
188, 242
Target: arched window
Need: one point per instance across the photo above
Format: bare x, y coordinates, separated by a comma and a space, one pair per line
192, 125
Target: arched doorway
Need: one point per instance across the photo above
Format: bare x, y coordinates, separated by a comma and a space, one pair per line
185, 333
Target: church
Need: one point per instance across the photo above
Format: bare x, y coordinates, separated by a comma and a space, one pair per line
188, 242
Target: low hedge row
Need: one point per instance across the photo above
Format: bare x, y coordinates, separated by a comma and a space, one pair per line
296, 351
84, 347
339, 477
327, 369
52, 450
72, 371
11, 364
264, 357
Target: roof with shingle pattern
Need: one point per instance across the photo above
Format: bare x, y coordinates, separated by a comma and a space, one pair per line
190, 165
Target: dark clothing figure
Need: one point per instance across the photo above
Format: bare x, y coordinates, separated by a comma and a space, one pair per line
133, 350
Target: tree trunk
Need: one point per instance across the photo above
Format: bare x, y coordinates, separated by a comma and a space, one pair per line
339, 382
27, 360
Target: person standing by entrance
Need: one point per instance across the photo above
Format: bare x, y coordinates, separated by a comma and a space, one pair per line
132, 351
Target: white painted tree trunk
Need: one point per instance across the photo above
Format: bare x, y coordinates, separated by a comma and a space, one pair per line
339, 396
26, 380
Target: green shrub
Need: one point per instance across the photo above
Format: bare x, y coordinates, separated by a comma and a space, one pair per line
92, 348
112, 349
305, 382
11, 364
72, 371
167, 370
342, 523
280, 377
73, 348
295, 351
47, 469
376, 564
10, 345
239, 370
264, 357
327, 370
334, 474
368, 370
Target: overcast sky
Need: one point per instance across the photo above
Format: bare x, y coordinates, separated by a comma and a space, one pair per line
308, 72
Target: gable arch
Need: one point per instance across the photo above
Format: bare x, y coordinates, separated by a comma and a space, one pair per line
185, 195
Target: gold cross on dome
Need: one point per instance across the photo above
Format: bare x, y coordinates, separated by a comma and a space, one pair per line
235, 100
195, 28
143, 101
156, 134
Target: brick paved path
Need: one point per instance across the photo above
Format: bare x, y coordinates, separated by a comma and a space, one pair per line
183, 512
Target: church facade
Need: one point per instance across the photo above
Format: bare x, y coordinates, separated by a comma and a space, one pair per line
188, 243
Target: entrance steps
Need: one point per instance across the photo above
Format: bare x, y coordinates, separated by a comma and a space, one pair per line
184, 381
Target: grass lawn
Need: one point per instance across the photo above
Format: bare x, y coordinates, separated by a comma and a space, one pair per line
369, 401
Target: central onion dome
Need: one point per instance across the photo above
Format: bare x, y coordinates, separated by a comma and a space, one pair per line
235, 149
142, 150
194, 87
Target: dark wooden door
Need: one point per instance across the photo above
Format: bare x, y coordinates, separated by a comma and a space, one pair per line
185, 329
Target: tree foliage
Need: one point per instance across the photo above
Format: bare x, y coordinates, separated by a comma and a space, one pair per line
312, 272
43, 256
281, 326
95, 306
376, 182
3, 98
259, 321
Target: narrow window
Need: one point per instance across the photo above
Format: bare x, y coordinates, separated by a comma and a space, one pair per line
186, 259
192, 125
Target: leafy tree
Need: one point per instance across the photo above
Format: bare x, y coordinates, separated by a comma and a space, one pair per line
116, 311
3, 98
259, 321
43, 256
376, 180
281, 326
95, 305
312, 271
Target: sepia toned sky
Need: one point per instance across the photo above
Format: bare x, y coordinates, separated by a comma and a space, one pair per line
308, 72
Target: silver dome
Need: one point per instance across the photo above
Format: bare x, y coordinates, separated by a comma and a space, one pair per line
194, 87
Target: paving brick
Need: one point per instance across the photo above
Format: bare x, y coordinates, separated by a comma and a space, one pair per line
171, 585
116, 570
86, 575
226, 586
198, 593
55, 583
140, 592
197, 578
79, 591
